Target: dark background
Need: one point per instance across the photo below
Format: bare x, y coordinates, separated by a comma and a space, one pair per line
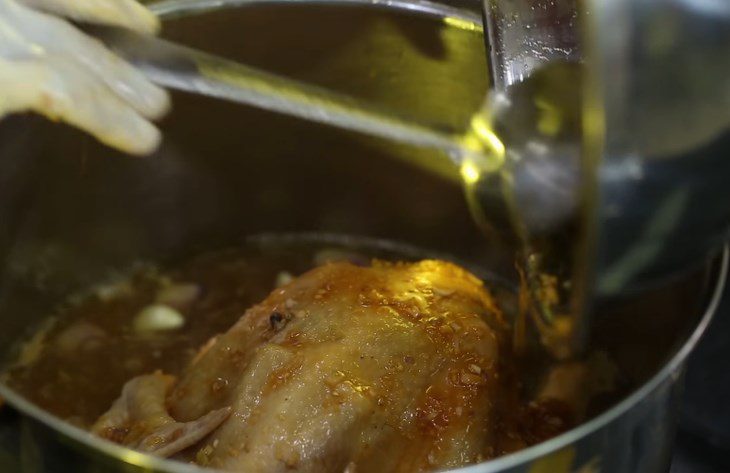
703, 441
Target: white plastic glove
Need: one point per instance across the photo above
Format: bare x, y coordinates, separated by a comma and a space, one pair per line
49, 66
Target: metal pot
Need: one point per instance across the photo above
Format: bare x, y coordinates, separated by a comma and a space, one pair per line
72, 211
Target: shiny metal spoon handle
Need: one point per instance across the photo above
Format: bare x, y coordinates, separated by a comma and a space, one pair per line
185, 69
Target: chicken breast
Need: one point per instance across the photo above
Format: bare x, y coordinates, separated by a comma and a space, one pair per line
393, 367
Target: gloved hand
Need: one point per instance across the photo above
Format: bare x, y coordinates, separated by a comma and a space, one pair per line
49, 66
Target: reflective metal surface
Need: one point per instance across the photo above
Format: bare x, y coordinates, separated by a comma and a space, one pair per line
638, 195
525, 36
662, 73
185, 69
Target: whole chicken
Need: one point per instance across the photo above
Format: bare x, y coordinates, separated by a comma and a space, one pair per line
389, 368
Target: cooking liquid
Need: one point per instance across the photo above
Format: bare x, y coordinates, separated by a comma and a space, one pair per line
542, 110
524, 181
76, 365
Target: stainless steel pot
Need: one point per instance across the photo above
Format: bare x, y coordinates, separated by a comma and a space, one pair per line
642, 195
71, 211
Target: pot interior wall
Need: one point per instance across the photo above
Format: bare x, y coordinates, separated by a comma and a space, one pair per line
72, 210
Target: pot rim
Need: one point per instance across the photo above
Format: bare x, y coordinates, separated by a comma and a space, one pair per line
454, 16
464, 19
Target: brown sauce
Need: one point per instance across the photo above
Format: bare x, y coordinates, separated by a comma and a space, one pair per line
76, 366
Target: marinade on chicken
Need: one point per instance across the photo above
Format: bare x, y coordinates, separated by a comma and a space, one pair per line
391, 367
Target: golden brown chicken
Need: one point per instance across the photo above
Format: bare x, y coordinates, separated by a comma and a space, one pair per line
394, 367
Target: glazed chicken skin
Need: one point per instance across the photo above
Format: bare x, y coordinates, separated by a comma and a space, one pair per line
388, 368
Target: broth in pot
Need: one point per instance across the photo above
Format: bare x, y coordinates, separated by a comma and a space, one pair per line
413, 357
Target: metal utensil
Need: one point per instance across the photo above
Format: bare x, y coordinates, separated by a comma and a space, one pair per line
183, 68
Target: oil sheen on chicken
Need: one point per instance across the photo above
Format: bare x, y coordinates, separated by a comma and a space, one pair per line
392, 367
